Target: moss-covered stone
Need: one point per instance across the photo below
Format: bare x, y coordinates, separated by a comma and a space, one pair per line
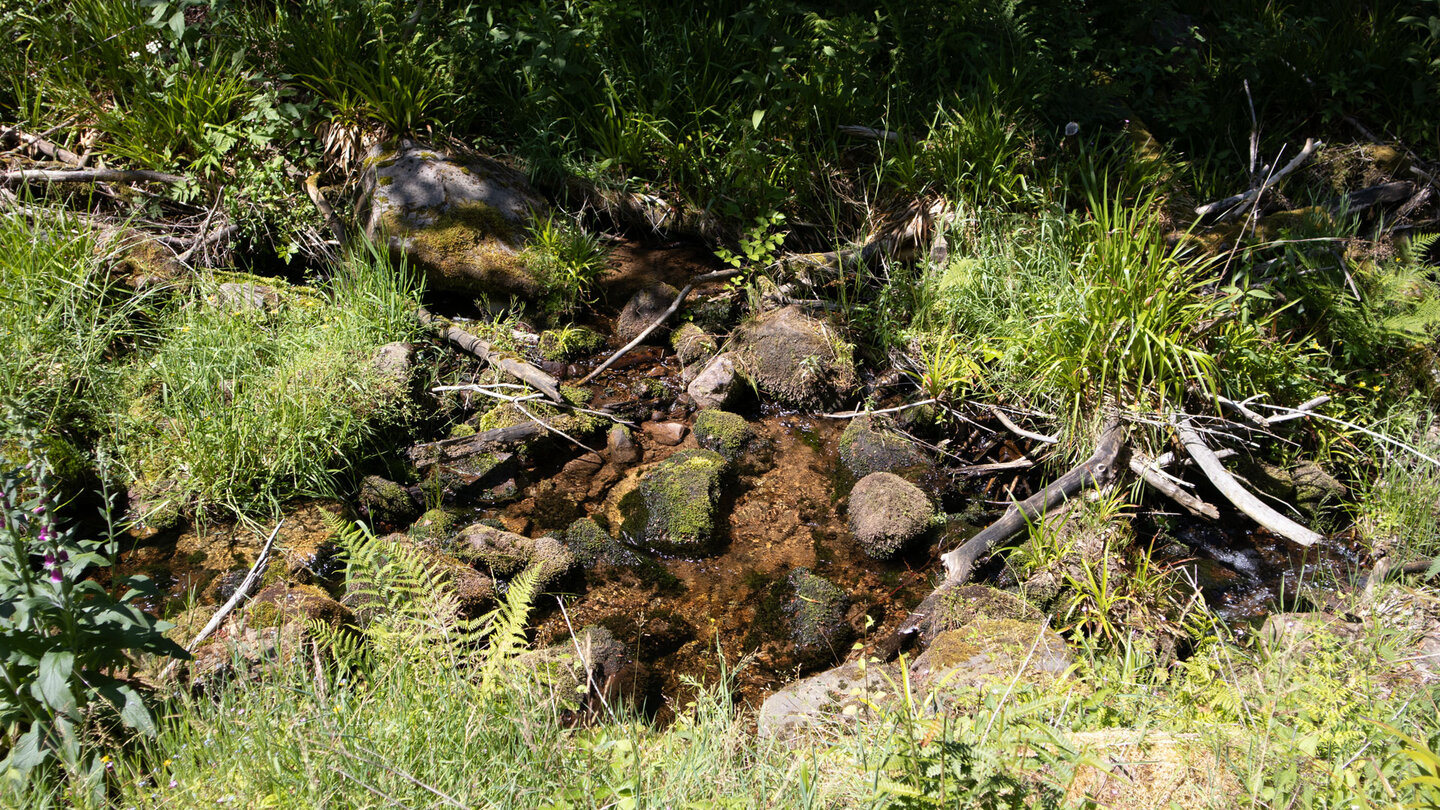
989, 652
590, 545
506, 554
816, 613
959, 606
672, 509
798, 360
435, 527
282, 602
887, 512
386, 502
692, 344
643, 308
871, 444
570, 343
724, 432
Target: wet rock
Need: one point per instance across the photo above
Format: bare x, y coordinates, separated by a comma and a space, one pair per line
591, 545
482, 477
306, 541
871, 444
506, 554
887, 512
570, 343
665, 433
672, 508
724, 432
386, 503
815, 613
435, 526
462, 219
959, 605
991, 653
283, 602
246, 296
621, 446
647, 304
692, 344
717, 385
594, 668
847, 692
796, 359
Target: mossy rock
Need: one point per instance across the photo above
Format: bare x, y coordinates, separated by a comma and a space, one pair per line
570, 343
991, 653
386, 503
957, 606
816, 615
435, 527
692, 344
724, 432
643, 308
887, 512
872, 444
591, 545
798, 360
506, 554
281, 602
673, 507
461, 219
579, 425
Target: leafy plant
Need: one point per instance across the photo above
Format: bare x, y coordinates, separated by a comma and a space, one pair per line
566, 260
758, 247
65, 640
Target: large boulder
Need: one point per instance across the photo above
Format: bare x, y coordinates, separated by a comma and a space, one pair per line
871, 444
726, 433
672, 508
887, 512
991, 653
463, 219
848, 691
643, 308
796, 359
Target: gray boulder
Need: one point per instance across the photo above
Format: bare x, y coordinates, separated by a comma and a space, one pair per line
887, 512
463, 219
990, 653
642, 309
717, 385
845, 692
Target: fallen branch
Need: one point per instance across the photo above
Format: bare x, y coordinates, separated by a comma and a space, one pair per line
490, 441
1237, 204
484, 351
975, 470
896, 409
88, 176
235, 598
1238, 495
1094, 471
1019, 431
1145, 467
718, 275
312, 188
50, 150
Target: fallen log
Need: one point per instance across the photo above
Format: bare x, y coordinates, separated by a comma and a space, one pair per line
1242, 498
88, 176
1237, 204
1145, 467
1094, 471
484, 351
489, 441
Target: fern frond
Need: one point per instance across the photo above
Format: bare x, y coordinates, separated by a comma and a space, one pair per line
506, 627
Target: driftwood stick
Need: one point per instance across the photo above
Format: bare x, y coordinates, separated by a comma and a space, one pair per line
1145, 467
718, 275
1094, 471
44, 147
896, 409
482, 349
312, 188
997, 467
1238, 495
88, 176
431, 453
1237, 204
1019, 431
235, 598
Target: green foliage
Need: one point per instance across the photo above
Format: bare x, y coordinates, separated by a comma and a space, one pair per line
65, 640
566, 261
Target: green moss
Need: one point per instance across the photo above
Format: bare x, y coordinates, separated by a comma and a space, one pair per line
461, 430
871, 444
435, 526
817, 615
724, 432
692, 344
588, 542
466, 248
960, 606
569, 343
673, 507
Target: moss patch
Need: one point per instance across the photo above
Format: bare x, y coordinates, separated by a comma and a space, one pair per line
570, 343
468, 248
673, 507
724, 432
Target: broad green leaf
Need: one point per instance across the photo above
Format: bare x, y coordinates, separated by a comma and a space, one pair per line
52, 681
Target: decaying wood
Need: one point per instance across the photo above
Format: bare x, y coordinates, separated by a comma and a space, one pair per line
88, 176
483, 350
49, 149
489, 441
1383, 194
704, 278
1237, 204
312, 188
869, 132
1145, 467
975, 470
235, 598
1243, 500
1093, 471
1019, 431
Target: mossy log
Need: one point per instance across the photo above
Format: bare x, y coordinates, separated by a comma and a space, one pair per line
470, 344
489, 441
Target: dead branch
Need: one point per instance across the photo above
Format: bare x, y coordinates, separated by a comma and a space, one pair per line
975, 470
88, 176
704, 278
1019, 431
1237, 204
1236, 494
1094, 471
312, 188
485, 352
896, 409
1145, 467
48, 149
869, 132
